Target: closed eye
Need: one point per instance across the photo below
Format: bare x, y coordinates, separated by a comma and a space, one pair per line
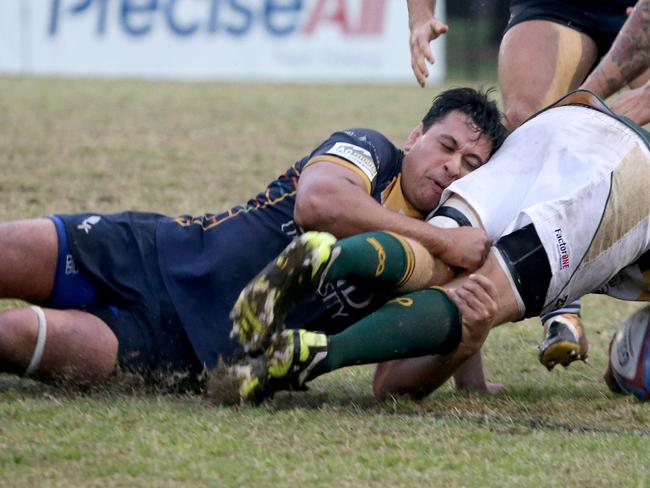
473, 163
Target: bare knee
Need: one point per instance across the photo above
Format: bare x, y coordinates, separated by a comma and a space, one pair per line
76, 346
18, 335
80, 348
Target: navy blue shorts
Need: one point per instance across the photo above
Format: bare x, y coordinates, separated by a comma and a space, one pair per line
108, 266
601, 21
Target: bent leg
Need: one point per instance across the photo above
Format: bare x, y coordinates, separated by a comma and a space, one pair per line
419, 323
390, 261
420, 376
79, 347
539, 61
28, 259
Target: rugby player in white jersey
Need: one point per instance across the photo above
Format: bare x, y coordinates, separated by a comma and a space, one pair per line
571, 217
565, 38
580, 197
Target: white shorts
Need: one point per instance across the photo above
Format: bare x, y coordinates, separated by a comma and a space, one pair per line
583, 179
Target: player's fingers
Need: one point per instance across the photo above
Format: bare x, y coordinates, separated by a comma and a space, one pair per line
485, 283
473, 292
424, 50
481, 302
460, 303
417, 61
417, 71
479, 294
428, 54
422, 71
471, 300
461, 298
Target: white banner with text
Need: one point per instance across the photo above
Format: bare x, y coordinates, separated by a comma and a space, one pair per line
251, 40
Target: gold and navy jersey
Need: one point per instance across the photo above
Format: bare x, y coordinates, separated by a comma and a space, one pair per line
207, 260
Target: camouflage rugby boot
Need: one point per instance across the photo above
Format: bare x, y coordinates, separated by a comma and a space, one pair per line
285, 365
264, 303
564, 341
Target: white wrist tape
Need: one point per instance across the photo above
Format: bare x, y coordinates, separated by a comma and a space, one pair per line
40, 341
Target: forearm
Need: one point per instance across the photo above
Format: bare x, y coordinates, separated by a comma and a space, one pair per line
347, 210
420, 11
628, 57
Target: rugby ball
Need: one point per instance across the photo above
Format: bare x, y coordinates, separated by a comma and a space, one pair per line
629, 357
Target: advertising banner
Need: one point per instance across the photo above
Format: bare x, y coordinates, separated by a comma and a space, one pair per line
250, 40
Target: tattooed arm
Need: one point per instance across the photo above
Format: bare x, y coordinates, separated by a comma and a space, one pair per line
628, 57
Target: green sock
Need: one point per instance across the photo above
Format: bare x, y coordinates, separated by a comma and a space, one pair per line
417, 324
373, 256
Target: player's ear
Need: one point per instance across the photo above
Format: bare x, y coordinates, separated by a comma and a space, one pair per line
413, 137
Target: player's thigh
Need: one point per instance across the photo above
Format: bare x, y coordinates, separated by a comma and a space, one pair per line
76, 346
28, 259
539, 61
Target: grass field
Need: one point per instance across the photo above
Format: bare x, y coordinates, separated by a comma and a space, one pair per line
187, 148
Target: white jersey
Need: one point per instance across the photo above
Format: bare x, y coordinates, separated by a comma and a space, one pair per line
582, 178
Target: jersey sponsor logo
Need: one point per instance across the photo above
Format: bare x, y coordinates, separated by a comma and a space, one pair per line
381, 255
563, 248
88, 222
403, 301
70, 265
357, 155
338, 298
290, 229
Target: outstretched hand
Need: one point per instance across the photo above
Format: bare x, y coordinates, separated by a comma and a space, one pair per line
421, 35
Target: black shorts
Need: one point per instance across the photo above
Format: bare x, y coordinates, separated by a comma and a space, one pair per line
600, 20
108, 266
527, 262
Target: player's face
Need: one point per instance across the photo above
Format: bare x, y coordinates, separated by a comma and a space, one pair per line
450, 149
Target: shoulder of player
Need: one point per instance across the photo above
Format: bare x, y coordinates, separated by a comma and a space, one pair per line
380, 147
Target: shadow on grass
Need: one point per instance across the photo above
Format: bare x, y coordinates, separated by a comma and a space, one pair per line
122, 385
520, 410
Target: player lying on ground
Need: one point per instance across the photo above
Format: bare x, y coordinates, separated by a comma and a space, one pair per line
152, 294
574, 216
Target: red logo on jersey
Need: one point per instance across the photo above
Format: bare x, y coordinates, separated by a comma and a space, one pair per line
563, 248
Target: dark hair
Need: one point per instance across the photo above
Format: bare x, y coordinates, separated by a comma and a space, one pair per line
476, 104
